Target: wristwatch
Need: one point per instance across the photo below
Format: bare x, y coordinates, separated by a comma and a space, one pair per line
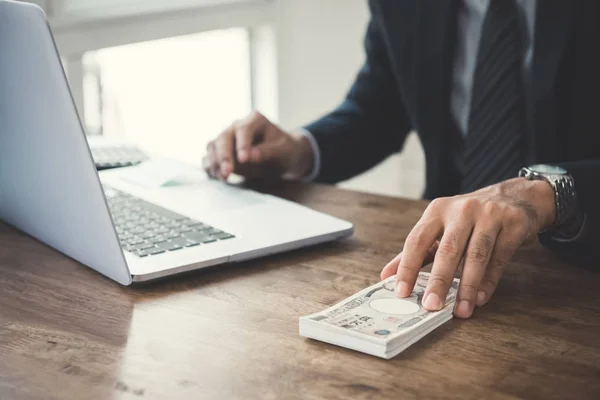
565, 196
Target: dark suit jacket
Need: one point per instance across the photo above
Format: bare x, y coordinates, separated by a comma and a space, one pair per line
405, 84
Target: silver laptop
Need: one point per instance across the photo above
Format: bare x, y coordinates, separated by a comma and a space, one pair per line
49, 187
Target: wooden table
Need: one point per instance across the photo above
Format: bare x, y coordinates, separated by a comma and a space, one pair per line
232, 332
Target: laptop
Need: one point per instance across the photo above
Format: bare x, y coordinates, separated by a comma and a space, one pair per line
50, 189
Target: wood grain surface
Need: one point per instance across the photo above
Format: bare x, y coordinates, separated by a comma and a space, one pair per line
231, 332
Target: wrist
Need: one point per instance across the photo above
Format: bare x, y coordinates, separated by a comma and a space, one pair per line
302, 158
542, 197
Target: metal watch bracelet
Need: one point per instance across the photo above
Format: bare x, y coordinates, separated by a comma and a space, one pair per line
565, 196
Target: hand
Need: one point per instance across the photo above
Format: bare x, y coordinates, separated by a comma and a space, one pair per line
482, 230
255, 147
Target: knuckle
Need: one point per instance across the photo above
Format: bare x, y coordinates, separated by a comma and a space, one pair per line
489, 282
467, 207
416, 239
481, 249
438, 281
256, 115
468, 291
477, 255
491, 208
437, 204
404, 269
449, 248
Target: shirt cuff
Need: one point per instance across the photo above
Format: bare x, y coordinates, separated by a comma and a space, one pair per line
316, 154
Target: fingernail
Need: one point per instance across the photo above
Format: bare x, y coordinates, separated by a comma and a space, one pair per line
255, 155
242, 155
481, 298
464, 309
433, 302
403, 289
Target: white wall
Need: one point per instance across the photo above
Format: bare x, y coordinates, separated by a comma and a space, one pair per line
320, 49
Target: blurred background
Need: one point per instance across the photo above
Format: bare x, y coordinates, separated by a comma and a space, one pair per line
172, 74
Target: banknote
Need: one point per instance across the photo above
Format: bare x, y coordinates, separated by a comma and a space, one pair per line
378, 313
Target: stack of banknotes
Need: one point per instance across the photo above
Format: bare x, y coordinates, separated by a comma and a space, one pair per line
375, 321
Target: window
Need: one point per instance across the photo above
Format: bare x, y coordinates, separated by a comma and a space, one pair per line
171, 95
170, 75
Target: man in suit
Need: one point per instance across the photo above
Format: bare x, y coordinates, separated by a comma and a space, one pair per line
491, 87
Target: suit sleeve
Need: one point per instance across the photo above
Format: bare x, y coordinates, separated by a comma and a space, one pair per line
370, 124
585, 250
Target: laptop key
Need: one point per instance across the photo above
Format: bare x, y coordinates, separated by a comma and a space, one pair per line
134, 240
154, 251
159, 239
138, 230
223, 236
147, 235
170, 246
143, 246
162, 230
184, 242
148, 252
199, 237
196, 224
163, 212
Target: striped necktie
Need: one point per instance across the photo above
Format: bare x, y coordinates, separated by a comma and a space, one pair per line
494, 147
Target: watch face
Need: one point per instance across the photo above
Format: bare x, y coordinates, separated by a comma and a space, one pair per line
547, 169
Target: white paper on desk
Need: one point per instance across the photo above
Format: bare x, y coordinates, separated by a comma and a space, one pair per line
160, 172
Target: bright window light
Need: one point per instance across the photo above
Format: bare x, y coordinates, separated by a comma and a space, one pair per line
171, 96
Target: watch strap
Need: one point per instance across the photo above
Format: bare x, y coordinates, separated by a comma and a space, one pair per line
565, 195
565, 198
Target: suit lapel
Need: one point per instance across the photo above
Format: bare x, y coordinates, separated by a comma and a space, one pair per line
552, 26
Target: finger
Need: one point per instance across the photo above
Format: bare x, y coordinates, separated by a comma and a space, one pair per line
416, 246
392, 267
224, 150
447, 259
246, 133
477, 257
504, 250
211, 167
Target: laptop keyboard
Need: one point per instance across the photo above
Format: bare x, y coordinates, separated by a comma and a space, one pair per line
146, 229
117, 156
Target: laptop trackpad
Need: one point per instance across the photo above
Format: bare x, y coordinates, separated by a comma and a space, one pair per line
215, 196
